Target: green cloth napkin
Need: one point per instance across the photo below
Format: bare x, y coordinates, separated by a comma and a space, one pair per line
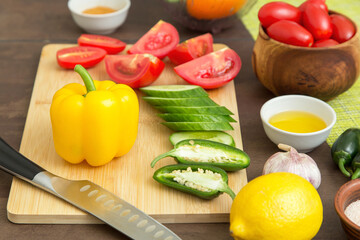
346, 105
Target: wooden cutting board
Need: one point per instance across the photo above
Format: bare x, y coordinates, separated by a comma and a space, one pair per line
129, 177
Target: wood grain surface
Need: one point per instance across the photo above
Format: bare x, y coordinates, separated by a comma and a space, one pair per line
129, 177
25, 30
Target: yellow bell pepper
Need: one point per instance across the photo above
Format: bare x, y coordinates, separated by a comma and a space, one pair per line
95, 122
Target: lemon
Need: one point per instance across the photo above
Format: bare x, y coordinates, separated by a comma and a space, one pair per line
276, 206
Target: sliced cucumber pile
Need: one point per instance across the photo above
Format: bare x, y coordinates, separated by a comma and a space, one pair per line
174, 91
216, 136
183, 117
188, 108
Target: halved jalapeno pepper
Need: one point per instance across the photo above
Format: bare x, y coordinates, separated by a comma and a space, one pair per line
199, 151
204, 181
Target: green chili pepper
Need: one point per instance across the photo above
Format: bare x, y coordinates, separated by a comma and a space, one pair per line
355, 165
199, 151
345, 148
204, 181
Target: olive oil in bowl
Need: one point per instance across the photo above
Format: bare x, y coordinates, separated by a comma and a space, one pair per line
297, 122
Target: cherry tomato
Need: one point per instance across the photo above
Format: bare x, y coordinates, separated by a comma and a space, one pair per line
85, 56
343, 28
290, 33
110, 45
275, 11
320, 3
325, 43
191, 49
317, 21
135, 70
212, 70
158, 41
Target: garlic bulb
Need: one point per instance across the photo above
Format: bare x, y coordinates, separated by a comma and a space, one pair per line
293, 162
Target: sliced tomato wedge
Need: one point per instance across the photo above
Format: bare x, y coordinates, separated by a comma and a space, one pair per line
85, 56
135, 70
110, 45
212, 70
158, 41
191, 49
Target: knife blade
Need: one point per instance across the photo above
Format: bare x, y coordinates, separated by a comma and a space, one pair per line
87, 196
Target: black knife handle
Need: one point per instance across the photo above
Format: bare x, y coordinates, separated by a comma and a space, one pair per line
15, 163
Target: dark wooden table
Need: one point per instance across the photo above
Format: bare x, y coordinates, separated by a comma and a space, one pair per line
26, 26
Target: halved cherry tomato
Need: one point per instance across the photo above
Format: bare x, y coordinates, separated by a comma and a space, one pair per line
320, 3
212, 70
317, 21
135, 70
110, 45
158, 41
343, 29
290, 32
191, 49
325, 43
85, 56
275, 11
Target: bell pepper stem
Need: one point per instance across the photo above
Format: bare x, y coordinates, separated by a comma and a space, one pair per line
88, 81
161, 156
356, 174
342, 167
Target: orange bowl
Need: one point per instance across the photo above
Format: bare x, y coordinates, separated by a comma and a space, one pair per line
348, 193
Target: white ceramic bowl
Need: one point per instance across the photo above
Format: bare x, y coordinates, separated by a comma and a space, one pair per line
303, 142
99, 23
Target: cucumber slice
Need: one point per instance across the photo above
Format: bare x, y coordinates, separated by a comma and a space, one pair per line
174, 91
198, 126
180, 117
198, 101
216, 110
216, 136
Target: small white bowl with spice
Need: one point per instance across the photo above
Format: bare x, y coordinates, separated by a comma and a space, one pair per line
99, 16
300, 121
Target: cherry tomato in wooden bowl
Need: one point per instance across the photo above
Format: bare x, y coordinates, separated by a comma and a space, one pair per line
276, 11
291, 33
158, 41
135, 70
191, 49
320, 3
325, 43
212, 70
343, 28
85, 56
110, 45
317, 21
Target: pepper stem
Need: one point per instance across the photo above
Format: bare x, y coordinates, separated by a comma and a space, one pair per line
161, 156
342, 167
230, 192
356, 174
88, 81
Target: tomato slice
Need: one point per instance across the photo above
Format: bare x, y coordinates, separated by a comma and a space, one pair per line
191, 49
212, 70
110, 45
158, 41
135, 70
85, 56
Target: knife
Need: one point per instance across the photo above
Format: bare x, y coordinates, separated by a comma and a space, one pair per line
87, 196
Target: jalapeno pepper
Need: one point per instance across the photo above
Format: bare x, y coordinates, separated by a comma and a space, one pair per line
355, 165
345, 148
199, 151
203, 181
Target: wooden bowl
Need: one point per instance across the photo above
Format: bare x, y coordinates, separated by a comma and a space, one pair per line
318, 72
348, 193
